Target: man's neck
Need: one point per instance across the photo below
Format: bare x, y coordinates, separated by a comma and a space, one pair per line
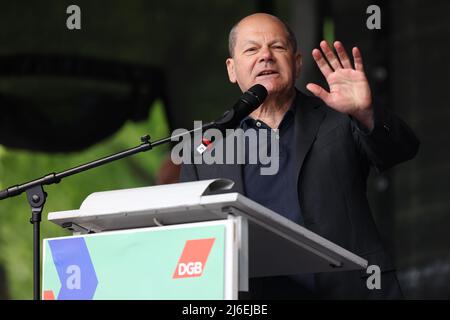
272, 111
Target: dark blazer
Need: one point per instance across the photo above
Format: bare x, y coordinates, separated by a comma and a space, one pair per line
333, 157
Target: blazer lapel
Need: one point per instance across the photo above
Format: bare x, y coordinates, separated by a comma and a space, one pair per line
308, 118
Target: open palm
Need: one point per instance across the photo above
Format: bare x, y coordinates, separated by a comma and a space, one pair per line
349, 89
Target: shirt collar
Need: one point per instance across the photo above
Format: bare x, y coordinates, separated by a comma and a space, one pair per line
249, 122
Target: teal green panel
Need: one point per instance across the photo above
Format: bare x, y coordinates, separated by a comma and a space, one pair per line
141, 265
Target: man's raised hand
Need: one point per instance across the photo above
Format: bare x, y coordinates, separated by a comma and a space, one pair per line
349, 88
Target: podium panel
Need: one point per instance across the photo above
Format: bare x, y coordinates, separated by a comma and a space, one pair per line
131, 256
187, 261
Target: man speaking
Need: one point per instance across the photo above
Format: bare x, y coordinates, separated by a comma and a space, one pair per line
327, 145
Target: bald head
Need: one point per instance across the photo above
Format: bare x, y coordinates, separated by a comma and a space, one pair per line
259, 17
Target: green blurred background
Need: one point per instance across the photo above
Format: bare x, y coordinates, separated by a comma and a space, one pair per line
19, 166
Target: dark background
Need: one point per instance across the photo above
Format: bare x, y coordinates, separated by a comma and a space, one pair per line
63, 92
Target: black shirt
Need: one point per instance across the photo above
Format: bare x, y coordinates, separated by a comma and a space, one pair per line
277, 192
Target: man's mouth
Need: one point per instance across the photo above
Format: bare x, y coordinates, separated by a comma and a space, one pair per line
266, 73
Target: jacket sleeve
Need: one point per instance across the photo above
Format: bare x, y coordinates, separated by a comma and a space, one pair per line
390, 142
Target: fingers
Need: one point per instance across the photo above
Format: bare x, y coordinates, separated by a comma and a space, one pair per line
342, 54
332, 62
358, 59
331, 57
321, 63
318, 91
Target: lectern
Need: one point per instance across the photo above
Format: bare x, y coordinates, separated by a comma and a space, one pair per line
192, 240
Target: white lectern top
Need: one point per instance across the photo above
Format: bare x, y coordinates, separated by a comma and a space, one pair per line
276, 245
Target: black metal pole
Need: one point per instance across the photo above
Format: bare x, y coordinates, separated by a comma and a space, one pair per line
36, 260
36, 198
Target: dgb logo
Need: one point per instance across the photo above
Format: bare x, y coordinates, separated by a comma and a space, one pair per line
190, 268
193, 258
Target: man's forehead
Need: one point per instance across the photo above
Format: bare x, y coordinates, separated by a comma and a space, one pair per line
254, 33
268, 23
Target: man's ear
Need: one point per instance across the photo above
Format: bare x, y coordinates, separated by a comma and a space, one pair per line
230, 69
298, 64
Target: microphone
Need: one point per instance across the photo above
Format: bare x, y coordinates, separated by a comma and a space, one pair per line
247, 103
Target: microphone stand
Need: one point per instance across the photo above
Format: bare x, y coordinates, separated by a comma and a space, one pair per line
36, 195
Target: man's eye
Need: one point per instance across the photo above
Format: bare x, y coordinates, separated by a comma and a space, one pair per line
279, 47
250, 50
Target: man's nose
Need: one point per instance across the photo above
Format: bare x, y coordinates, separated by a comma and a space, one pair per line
266, 55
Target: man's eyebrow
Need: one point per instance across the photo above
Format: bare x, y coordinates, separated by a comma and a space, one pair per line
283, 41
247, 42
250, 42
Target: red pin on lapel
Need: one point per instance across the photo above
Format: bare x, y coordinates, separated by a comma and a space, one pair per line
206, 143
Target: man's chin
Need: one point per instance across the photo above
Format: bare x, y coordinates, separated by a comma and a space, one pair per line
273, 90
270, 87
275, 93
